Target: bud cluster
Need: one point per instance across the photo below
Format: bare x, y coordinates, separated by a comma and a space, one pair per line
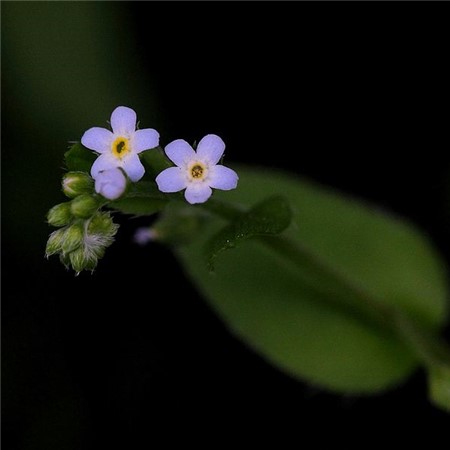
83, 242
83, 231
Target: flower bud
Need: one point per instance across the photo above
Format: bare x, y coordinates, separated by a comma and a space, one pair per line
55, 242
84, 206
144, 235
81, 244
101, 223
65, 260
80, 260
110, 183
60, 215
73, 238
77, 183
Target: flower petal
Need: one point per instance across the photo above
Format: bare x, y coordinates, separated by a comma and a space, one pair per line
211, 148
103, 162
180, 152
145, 140
97, 139
133, 167
197, 193
171, 180
123, 121
222, 177
111, 183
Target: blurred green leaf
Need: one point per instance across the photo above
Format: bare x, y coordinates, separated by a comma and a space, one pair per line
270, 217
179, 224
138, 206
291, 318
79, 158
439, 386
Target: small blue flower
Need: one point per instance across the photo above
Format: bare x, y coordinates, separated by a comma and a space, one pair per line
120, 148
196, 171
110, 183
144, 235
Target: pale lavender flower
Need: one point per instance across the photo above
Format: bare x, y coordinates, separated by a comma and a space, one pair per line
196, 171
120, 148
144, 235
110, 183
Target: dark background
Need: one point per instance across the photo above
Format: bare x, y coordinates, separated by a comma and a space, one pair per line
359, 103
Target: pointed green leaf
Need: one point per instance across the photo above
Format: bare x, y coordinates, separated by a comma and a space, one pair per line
79, 158
268, 218
291, 318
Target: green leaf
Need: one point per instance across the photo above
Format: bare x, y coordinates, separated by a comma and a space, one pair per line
268, 218
138, 206
179, 224
145, 189
142, 199
439, 386
79, 158
291, 317
155, 161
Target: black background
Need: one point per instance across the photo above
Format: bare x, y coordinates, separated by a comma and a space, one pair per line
358, 102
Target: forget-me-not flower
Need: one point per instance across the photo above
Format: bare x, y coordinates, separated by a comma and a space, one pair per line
121, 146
196, 171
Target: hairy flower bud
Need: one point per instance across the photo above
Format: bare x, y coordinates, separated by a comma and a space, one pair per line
102, 223
55, 242
84, 206
73, 237
80, 260
60, 215
77, 183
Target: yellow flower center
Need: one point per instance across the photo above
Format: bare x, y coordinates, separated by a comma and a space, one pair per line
197, 171
120, 147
